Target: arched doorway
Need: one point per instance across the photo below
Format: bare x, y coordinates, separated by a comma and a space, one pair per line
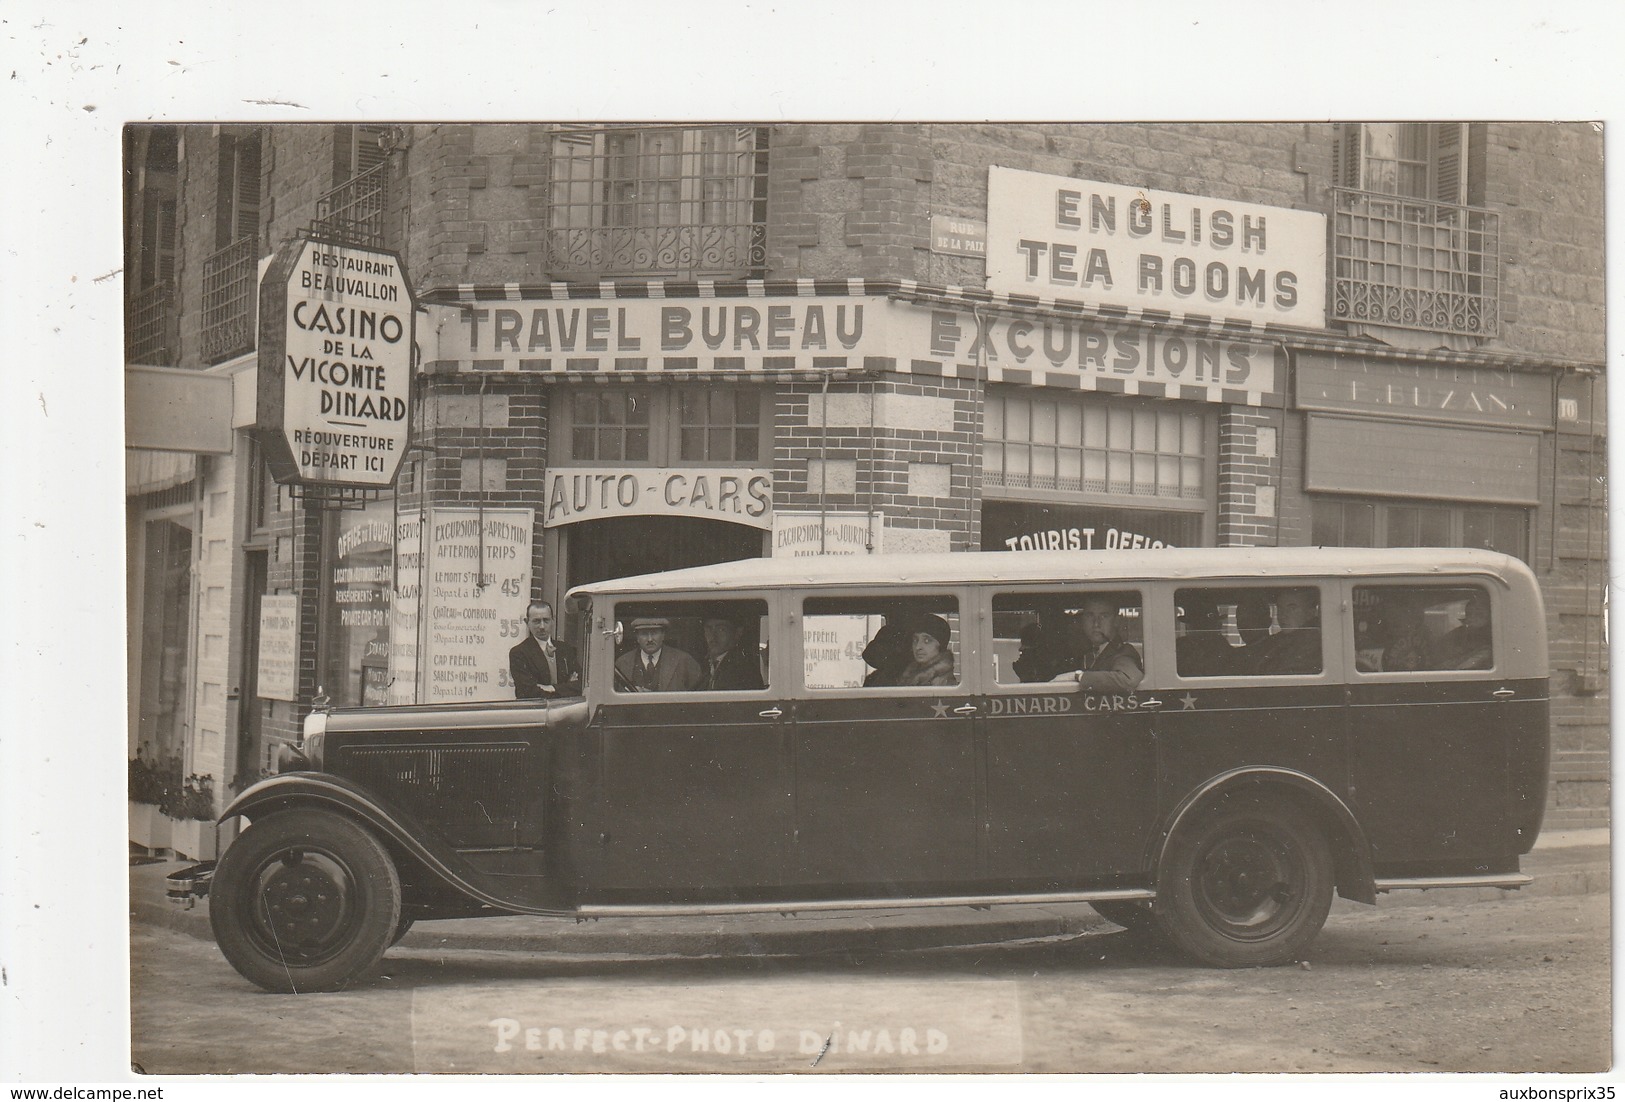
617, 547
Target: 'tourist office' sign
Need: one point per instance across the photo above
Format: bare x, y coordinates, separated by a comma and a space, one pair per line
1135, 247
335, 365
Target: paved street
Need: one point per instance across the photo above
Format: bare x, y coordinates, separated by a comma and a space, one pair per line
1520, 983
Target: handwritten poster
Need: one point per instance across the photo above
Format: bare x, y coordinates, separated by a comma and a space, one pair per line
474, 598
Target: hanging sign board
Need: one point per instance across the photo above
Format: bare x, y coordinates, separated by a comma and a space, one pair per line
335, 365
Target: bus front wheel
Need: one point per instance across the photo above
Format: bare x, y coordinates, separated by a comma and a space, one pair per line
304, 900
1248, 884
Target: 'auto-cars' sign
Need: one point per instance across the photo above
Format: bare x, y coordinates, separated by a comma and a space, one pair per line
335, 364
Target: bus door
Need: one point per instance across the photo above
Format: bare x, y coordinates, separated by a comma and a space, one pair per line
694, 795
1429, 723
1256, 686
1070, 764
885, 772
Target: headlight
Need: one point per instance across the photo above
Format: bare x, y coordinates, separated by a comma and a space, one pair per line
314, 740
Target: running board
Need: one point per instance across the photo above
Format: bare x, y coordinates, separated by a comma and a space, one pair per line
1489, 880
649, 910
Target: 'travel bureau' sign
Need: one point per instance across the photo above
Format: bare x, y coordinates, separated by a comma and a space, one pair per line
335, 365
1160, 250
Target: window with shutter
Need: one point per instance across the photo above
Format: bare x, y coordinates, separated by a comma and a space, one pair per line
1408, 253
1416, 160
229, 275
356, 151
353, 212
238, 207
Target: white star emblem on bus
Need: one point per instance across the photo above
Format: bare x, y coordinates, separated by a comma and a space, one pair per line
939, 710
1188, 702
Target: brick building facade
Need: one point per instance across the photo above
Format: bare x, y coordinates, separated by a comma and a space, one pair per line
821, 314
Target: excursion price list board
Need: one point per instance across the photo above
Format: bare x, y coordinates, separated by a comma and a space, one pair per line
476, 585
404, 620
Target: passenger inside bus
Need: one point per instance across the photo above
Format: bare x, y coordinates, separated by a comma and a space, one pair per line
1295, 649
1468, 646
888, 652
1099, 659
1201, 649
931, 661
1039, 659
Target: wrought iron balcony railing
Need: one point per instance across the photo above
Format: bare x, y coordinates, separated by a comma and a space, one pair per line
674, 201
229, 286
676, 251
150, 325
1415, 264
353, 212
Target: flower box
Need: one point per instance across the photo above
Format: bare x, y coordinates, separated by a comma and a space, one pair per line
193, 839
149, 827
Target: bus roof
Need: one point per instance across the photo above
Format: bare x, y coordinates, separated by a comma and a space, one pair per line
1208, 564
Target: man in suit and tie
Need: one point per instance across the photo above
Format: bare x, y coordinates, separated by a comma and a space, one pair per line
540, 665
727, 666
654, 667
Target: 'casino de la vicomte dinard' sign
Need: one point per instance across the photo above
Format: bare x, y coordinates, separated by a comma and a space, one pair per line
335, 365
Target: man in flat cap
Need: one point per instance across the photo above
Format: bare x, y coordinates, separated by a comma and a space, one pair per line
654, 667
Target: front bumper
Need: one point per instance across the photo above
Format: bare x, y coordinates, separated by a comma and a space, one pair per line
186, 886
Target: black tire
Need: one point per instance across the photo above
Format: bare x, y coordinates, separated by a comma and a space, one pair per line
1131, 915
1246, 885
401, 929
304, 900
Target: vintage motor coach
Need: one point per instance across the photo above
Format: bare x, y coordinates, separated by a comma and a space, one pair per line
1205, 743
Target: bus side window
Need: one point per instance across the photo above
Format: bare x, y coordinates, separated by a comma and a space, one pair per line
1248, 632
1404, 628
1092, 639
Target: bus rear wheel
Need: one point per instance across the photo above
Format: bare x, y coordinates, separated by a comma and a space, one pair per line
1248, 884
304, 900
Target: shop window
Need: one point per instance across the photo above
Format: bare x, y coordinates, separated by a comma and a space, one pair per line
719, 426
165, 637
665, 426
1089, 638
1248, 632
870, 642
1405, 628
264, 492
691, 646
1351, 523
670, 200
610, 425
1095, 446
358, 561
